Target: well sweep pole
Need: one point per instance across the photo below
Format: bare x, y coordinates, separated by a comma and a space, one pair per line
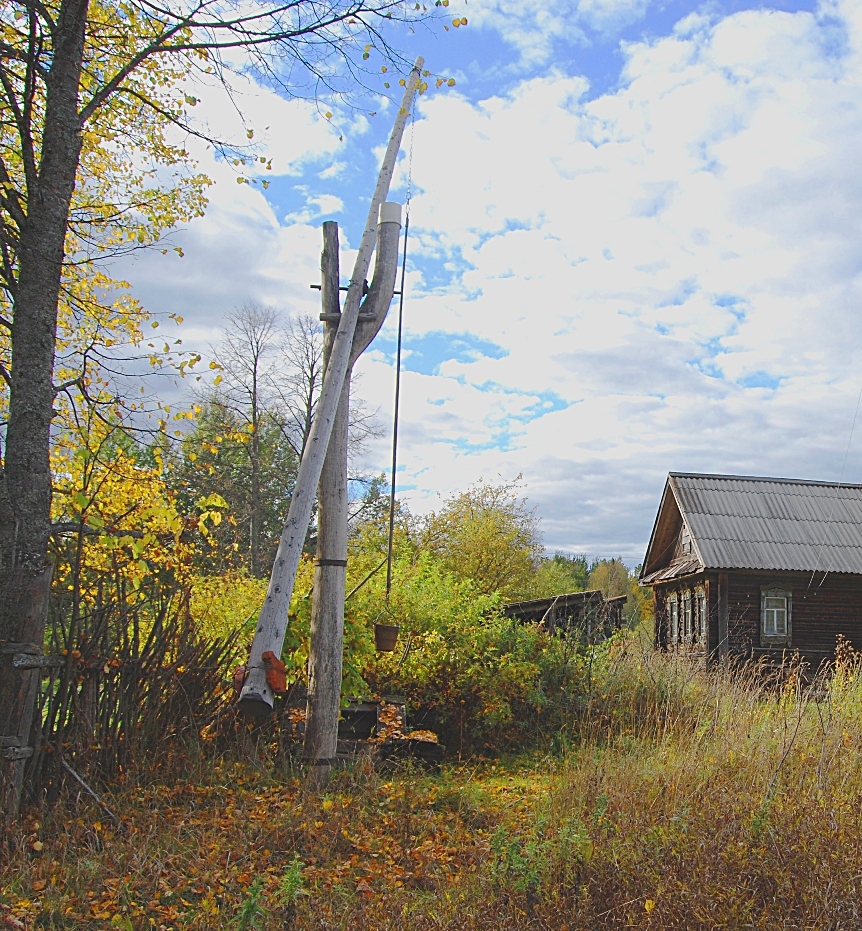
256, 697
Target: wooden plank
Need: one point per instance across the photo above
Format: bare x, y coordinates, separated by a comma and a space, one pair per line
723, 632
8, 646
32, 661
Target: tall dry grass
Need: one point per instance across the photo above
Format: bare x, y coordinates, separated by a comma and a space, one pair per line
690, 798
727, 798
684, 798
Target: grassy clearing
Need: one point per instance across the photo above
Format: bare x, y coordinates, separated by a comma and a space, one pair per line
687, 800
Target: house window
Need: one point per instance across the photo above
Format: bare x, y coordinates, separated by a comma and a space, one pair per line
775, 614
673, 615
700, 602
686, 616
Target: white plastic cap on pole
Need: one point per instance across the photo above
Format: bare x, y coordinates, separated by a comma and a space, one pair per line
390, 212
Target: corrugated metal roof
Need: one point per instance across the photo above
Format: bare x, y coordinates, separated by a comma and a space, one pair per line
571, 599
741, 522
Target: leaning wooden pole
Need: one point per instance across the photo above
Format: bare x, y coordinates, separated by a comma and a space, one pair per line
256, 697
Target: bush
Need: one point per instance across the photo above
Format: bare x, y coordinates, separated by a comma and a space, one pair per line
483, 682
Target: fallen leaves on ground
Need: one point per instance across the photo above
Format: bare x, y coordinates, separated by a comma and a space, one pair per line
188, 855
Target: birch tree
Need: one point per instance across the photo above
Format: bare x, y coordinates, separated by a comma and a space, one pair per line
244, 357
295, 385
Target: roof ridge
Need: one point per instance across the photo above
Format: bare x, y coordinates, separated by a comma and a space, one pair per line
791, 519
761, 478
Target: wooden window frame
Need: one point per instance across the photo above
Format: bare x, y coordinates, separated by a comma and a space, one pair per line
673, 617
687, 618
783, 639
700, 614
685, 540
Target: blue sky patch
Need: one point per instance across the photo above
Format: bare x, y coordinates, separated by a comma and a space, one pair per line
732, 302
425, 354
547, 402
501, 441
759, 380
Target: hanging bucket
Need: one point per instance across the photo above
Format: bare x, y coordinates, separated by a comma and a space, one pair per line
385, 637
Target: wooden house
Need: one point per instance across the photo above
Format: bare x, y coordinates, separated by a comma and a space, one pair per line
755, 567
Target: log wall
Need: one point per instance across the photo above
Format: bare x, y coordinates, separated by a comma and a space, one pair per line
821, 609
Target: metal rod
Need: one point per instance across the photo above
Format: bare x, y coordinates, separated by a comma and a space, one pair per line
367, 578
90, 792
395, 418
317, 287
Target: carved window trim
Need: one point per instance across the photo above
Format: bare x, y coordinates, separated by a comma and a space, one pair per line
673, 617
772, 614
700, 613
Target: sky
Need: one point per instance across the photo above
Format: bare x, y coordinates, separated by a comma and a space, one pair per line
634, 248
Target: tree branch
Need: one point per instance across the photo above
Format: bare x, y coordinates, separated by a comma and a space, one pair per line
74, 527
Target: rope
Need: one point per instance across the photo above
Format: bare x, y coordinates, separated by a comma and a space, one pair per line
398, 359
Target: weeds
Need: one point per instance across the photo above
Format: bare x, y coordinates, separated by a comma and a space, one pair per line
687, 799
251, 912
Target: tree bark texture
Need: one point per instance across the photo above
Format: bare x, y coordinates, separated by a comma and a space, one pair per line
25, 481
327, 618
254, 529
256, 697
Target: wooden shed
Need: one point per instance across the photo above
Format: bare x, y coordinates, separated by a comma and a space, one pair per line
588, 615
755, 567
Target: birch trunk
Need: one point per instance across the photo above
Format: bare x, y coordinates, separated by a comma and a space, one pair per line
256, 697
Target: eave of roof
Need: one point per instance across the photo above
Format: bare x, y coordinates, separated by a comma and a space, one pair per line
560, 601
675, 570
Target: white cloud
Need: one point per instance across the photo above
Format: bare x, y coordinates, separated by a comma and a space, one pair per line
672, 270
679, 261
535, 27
238, 254
316, 206
290, 133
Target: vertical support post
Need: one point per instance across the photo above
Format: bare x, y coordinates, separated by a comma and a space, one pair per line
327, 610
722, 615
327, 625
19, 687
